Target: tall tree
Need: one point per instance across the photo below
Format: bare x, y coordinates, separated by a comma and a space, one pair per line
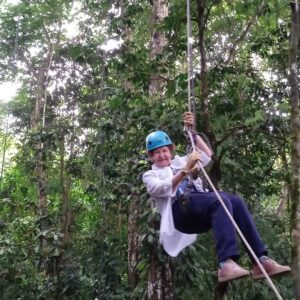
160, 272
4, 142
295, 129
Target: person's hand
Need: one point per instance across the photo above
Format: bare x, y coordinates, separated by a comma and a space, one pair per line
195, 172
188, 119
193, 158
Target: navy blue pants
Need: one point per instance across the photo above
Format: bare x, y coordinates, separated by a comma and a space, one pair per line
204, 212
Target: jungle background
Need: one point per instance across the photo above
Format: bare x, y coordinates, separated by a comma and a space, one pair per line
94, 78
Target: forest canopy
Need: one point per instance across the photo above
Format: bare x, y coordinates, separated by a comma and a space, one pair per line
91, 80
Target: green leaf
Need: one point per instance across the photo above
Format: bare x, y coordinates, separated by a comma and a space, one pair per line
75, 52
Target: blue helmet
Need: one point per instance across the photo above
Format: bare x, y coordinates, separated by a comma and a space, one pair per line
157, 139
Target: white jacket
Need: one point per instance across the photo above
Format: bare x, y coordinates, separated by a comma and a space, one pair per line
158, 182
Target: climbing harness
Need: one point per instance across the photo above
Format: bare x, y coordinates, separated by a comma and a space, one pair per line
190, 134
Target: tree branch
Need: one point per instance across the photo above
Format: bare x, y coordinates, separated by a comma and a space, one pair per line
215, 2
232, 50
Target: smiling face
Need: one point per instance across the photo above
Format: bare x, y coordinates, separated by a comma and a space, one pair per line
161, 156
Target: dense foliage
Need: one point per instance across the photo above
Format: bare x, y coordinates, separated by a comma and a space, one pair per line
90, 109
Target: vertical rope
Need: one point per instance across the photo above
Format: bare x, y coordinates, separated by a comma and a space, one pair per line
191, 89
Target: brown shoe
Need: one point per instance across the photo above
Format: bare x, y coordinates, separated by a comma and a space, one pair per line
272, 268
230, 271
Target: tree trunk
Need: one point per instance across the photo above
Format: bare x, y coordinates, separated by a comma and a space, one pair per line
159, 13
220, 291
160, 275
133, 242
36, 126
283, 200
66, 213
40, 161
65, 219
4, 149
38, 116
203, 68
215, 172
295, 129
40, 82
160, 285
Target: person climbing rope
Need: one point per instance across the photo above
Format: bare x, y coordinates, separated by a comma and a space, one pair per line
187, 209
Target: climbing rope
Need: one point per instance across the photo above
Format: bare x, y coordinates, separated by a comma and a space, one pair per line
188, 130
191, 88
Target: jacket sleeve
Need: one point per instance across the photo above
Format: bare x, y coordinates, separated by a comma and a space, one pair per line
180, 161
204, 159
156, 187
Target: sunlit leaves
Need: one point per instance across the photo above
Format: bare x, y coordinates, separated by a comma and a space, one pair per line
98, 114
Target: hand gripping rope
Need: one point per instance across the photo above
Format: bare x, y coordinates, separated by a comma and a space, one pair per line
190, 100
